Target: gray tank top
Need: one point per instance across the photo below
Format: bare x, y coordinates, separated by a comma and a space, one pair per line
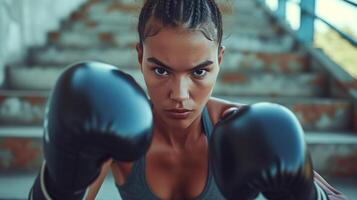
136, 187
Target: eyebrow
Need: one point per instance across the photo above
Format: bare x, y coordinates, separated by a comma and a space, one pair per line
199, 66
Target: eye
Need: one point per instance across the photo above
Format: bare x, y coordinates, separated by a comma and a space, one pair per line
199, 73
161, 71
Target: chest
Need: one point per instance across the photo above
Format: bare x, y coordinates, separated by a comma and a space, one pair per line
172, 175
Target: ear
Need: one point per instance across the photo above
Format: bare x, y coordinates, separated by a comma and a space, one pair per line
139, 50
220, 54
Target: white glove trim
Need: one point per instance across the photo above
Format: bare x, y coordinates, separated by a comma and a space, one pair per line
42, 181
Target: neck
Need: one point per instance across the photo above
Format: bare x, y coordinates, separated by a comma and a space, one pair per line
179, 138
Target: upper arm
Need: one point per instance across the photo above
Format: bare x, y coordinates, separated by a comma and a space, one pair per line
217, 108
95, 186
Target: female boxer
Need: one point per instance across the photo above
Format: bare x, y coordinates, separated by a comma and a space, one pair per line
179, 54
93, 112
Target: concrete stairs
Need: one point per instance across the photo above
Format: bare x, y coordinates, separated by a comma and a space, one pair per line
262, 63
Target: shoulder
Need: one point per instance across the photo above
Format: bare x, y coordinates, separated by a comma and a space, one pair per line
217, 107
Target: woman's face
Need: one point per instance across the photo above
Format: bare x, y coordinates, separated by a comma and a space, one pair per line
180, 68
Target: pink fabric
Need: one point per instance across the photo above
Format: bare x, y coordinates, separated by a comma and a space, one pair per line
332, 193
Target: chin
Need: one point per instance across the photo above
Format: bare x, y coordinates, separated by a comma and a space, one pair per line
177, 123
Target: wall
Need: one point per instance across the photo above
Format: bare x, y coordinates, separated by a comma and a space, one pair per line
24, 23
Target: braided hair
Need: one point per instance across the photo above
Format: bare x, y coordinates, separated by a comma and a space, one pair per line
203, 15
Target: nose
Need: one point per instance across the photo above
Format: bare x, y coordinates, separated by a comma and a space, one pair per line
180, 90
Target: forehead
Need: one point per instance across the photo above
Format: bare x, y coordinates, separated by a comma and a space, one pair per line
179, 43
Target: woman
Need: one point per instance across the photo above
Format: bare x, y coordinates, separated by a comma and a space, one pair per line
179, 53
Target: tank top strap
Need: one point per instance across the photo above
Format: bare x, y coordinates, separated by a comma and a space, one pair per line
206, 122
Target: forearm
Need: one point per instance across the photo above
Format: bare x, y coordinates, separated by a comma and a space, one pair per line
95, 186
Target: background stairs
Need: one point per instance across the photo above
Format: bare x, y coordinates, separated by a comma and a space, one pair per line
262, 63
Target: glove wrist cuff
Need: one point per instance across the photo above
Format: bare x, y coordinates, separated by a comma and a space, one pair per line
320, 193
39, 190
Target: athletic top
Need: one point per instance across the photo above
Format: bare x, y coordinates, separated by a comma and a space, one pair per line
136, 187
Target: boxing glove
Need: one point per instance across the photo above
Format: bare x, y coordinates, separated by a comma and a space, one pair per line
260, 148
94, 113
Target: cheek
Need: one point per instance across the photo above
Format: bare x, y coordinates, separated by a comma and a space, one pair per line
155, 87
203, 88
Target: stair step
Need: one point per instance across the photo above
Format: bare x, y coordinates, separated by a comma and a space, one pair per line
333, 154
128, 56
93, 26
106, 16
287, 62
123, 57
94, 39
242, 7
127, 20
252, 32
76, 39
120, 18
20, 149
37, 78
22, 107
271, 84
128, 38
259, 21
279, 44
314, 114
23, 78
105, 7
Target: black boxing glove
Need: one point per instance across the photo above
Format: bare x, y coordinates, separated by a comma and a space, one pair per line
95, 112
261, 148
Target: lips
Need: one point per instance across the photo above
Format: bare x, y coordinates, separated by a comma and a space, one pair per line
178, 113
178, 110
